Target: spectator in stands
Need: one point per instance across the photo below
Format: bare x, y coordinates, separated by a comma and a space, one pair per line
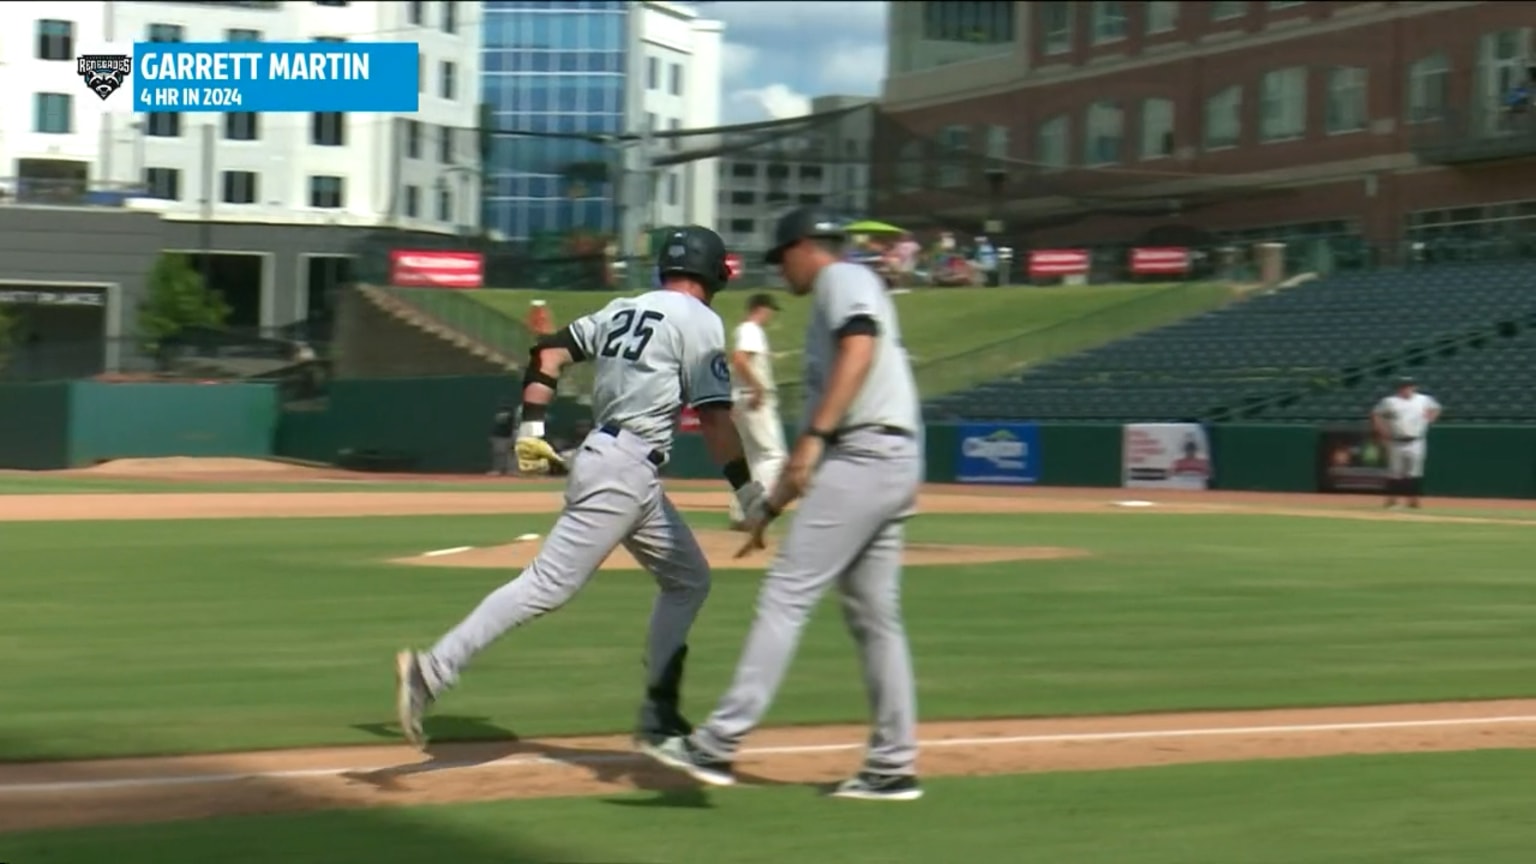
503, 423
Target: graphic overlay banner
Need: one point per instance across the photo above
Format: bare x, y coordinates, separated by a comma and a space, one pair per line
1350, 460
262, 76
998, 453
1160, 259
412, 268
1165, 456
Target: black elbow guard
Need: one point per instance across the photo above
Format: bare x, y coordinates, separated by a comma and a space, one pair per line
562, 338
859, 325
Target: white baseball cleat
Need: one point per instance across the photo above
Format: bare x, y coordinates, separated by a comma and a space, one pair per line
412, 696
681, 754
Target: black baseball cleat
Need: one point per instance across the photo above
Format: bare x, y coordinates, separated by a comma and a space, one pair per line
870, 786
658, 722
681, 754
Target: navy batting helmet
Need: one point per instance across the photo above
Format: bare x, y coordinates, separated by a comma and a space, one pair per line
696, 251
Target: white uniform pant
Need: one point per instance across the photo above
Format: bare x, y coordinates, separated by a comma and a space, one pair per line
762, 439
1405, 459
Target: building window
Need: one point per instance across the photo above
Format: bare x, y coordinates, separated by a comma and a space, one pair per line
650, 121
1156, 128
413, 139
165, 33
675, 142
163, 183
1053, 142
331, 40
1162, 16
672, 188
164, 125
974, 23
1108, 22
1283, 4
445, 145
417, 11
810, 173
413, 201
1226, 11
675, 79
1429, 81
448, 86
327, 192
909, 167
743, 226
242, 126
240, 187
328, 129
996, 143
1106, 131
54, 113
238, 35
1224, 118
955, 147
450, 20
55, 39
745, 199
1347, 99
652, 73
1056, 27
1501, 69
444, 204
1283, 104
743, 169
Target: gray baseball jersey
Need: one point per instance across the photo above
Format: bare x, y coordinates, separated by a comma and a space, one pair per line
889, 397
653, 354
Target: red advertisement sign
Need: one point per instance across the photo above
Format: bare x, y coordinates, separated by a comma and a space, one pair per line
1058, 262
688, 420
416, 268
1160, 259
733, 264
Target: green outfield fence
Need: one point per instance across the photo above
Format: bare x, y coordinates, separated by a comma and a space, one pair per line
441, 425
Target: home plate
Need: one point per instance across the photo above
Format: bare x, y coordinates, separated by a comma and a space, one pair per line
526, 538
1135, 504
439, 552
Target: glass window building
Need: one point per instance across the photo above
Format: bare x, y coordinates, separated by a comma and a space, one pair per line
553, 67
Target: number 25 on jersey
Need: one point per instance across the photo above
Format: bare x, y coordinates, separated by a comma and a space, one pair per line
629, 334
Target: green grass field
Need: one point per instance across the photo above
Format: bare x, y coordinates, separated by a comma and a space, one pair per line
172, 637
940, 323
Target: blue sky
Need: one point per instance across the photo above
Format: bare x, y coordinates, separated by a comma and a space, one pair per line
779, 54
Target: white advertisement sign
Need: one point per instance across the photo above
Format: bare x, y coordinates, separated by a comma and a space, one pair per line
1165, 456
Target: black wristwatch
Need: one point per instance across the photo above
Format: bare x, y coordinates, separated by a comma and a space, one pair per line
825, 436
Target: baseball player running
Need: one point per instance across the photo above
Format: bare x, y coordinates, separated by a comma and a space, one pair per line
756, 399
858, 463
1402, 422
653, 353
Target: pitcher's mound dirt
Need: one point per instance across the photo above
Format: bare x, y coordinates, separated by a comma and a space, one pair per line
173, 465
720, 548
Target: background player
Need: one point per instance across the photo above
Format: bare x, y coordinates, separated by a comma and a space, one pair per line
756, 397
653, 353
1402, 422
861, 440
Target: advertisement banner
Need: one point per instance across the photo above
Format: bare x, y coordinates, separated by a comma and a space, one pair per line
1160, 259
688, 420
998, 453
733, 264
1350, 460
416, 268
260, 76
1058, 262
1166, 456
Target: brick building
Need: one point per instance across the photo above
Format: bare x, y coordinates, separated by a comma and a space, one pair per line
1094, 122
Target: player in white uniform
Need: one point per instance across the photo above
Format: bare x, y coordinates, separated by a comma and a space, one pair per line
858, 462
653, 354
756, 398
1402, 422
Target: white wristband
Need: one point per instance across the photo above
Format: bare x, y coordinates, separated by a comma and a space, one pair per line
530, 429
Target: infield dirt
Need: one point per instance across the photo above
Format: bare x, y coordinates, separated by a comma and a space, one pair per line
61, 794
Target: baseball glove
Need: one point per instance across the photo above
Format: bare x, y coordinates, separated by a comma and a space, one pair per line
536, 456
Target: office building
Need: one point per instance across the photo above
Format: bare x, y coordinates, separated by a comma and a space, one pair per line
827, 164
598, 69
417, 171
1387, 122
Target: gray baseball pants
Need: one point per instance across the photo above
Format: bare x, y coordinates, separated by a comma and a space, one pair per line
848, 531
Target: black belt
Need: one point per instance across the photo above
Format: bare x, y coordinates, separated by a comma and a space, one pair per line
655, 457
1403, 440
877, 428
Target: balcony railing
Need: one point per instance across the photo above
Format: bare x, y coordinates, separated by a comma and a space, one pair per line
67, 192
1479, 135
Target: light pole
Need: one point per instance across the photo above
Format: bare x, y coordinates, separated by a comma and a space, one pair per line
997, 179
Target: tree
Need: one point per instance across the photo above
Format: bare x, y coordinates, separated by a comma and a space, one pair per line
178, 300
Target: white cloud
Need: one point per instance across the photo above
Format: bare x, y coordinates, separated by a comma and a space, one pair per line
853, 69
737, 62
772, 102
